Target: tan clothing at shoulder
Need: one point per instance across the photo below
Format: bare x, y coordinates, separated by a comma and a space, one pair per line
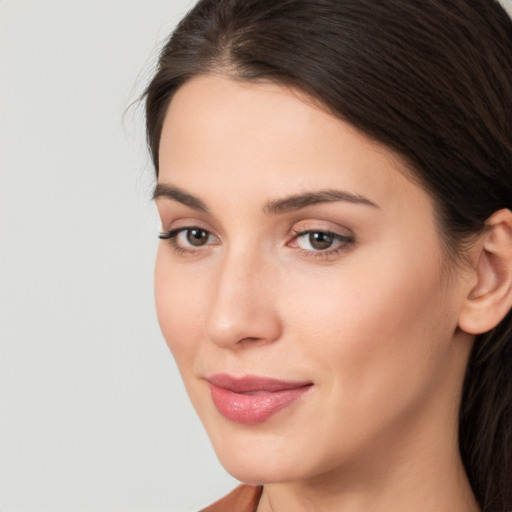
244, 498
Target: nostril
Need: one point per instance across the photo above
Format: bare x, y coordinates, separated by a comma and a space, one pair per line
252, 341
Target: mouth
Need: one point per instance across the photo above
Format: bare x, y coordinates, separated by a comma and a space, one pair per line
251, 399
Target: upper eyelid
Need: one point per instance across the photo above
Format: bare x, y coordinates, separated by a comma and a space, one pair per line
334, 231
315, 226
348, 238
178, 230
298, 228
169, 221
184, 224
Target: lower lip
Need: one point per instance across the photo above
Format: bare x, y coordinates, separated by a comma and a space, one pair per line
254, 408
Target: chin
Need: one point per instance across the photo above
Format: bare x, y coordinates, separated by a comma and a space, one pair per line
259, 472
261, 457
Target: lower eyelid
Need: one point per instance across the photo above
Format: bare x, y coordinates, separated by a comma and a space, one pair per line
323, 255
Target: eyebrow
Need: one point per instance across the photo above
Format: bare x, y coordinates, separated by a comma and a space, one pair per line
275, 207
176, 194
296, 202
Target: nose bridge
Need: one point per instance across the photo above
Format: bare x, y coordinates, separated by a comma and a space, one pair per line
241, 306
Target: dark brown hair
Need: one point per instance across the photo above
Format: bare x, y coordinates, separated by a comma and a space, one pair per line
431, 79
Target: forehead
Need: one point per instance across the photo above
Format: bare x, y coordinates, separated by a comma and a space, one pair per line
264, 139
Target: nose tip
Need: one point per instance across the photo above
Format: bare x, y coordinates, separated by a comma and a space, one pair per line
242, 310
238, 332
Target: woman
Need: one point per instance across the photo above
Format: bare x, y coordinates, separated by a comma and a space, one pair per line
335, 272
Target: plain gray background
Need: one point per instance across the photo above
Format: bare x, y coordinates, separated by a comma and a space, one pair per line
93, 413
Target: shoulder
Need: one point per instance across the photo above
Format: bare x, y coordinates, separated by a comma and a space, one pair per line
244, 498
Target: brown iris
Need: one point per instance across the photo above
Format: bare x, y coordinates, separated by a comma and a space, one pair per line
320, 241
197, 237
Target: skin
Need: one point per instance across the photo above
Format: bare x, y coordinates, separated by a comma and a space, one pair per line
371, 322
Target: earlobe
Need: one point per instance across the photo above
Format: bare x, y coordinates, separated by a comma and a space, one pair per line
490, 298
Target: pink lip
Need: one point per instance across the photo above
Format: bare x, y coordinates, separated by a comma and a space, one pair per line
253, 399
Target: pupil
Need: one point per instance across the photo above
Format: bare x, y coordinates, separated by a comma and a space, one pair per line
320, 240
197, 237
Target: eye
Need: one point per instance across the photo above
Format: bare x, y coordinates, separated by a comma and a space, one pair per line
324, 242
188, 238
317, 240
196, 237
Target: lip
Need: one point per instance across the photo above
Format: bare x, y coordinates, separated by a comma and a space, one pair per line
252, 399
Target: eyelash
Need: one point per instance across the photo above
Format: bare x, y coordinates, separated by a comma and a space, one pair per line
346, 242
173, 234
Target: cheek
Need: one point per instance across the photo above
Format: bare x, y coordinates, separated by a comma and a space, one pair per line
179, 308
377, 324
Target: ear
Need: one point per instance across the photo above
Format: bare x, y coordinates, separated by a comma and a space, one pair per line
490, 296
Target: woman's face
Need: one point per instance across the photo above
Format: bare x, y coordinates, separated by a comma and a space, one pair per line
300, 286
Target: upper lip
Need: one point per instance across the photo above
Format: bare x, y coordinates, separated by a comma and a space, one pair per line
250, 383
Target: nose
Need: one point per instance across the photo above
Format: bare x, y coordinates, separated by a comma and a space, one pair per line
243, 303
